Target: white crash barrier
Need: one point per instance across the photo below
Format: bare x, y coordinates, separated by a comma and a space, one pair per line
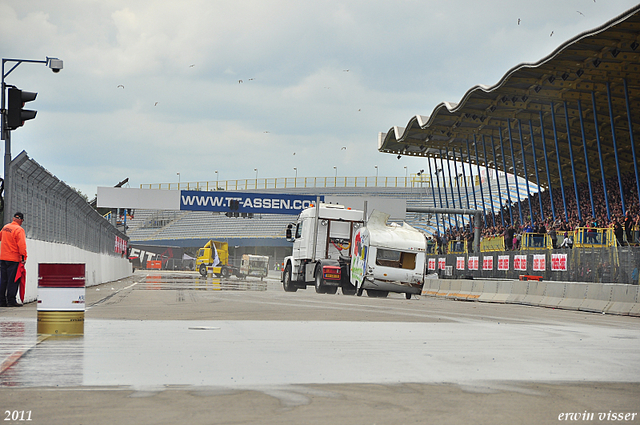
593, 297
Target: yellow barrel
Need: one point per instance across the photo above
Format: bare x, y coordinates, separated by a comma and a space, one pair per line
61, 298
61, 322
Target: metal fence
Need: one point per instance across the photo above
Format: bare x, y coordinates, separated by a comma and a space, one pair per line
54, 212
597, 265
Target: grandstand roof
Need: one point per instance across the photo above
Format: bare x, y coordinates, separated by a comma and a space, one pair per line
598, 69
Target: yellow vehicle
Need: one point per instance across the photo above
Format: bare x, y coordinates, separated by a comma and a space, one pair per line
215, 255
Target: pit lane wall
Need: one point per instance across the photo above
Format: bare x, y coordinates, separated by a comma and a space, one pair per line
99, 268
593, 297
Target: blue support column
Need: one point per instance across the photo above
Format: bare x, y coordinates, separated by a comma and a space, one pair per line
433, 193
495, 163
453, 195
515, 172
475, 143
444, 183
573, 169
604, 182
615, 147
535, 166
506, 179
555, 138
457, 179
586, 158
464, 177
486, 169
526, 175
633, 149
473, 183
546, 163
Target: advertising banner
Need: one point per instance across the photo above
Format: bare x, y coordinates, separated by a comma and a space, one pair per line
487, 262
539, 262
243, 202
503, 262
459, 263
473, 263
520, 262
432, 263
559, 262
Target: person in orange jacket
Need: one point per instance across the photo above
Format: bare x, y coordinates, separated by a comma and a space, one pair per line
13, 251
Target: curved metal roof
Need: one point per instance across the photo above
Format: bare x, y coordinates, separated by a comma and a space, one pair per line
597, 70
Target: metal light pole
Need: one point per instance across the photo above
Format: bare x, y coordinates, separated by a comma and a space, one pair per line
178, 180
295, 182
56, 65
256, 170
216, 179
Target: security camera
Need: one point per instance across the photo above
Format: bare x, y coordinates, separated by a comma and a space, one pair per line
55, 64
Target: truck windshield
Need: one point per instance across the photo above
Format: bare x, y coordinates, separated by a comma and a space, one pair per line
396, 259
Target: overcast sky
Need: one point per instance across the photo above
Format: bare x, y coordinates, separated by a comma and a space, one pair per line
150, 89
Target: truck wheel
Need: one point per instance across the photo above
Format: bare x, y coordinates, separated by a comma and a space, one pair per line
330, 289
348, 289
286, 280
225, 272
407, 296
203, 270
320, 288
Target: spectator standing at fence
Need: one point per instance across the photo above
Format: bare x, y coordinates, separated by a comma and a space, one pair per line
554, 237
567, 242
13, 251
617, 230
628, 225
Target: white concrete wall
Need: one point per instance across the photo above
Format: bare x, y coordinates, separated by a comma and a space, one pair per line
99, 268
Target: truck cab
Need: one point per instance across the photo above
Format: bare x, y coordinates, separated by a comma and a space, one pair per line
321, 239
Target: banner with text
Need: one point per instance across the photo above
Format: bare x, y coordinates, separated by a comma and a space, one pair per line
243, 202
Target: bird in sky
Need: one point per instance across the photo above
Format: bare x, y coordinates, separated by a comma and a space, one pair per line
345, 70
551, 34
240, 81
156, 104
518, 21
343, 148
120, 86
580, 12
192, 65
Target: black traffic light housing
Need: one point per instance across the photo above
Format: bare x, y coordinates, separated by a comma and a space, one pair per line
16, 116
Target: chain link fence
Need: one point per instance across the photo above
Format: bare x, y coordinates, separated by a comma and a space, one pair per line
54, 212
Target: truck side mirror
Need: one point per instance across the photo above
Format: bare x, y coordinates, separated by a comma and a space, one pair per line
289, 233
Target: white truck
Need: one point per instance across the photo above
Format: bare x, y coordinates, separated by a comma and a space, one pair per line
333, 247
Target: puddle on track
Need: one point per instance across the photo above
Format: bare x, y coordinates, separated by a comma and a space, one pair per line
177, 282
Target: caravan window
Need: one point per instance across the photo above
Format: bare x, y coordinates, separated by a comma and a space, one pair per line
396, 259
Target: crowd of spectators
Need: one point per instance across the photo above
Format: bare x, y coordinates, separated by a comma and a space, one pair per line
626, 228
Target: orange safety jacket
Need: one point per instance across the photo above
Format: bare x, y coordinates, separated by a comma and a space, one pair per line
14, 243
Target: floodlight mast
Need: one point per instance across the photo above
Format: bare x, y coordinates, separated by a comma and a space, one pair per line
5, 133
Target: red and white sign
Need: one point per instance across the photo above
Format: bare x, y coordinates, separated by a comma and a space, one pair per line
520, 262
121, 245
442, 263
539, 262
432, 263
487, 263
503, 262
472, 263
559, 262
459, 263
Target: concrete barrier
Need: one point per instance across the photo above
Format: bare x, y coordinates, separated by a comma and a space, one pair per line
574, 295
489, 291
553, 294
519, 290
100, 268
503, 292
597, 299
623, 299
535, 292
618, 299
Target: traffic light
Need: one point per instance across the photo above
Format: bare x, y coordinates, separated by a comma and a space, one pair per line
16, 115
